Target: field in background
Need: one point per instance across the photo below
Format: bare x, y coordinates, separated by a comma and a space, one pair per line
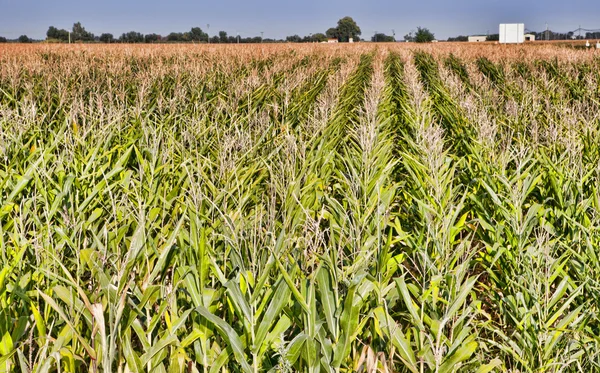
374, 208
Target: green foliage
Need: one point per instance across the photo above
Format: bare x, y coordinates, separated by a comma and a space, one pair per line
459, 38
80, 34
56, 34
346, 29
423, 35
382, 38
365, 209
107, 38
131, 37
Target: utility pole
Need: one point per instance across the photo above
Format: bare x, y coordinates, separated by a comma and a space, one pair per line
69, 37
394, 34
261, 36
208, 33
547, 34
238, 37
375, 37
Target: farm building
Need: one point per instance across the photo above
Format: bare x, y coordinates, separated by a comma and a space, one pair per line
477, 38
529, 37
332, 40
512, 33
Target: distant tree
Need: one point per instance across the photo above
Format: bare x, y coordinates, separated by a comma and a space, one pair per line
493, 37
410, 37
319, 37
423, 35
382, 38
107, 38
151, 38
196, 34
215, 39
56, 34
592, 35
332, 32
459, 38
346, 29
3, 39
293, 39
131, 37
223, 37
52, 33
80, 34
24, 39
176, 37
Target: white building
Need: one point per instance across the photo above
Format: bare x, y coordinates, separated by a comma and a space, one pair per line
529, 37
477, 38
512, 33
332, 40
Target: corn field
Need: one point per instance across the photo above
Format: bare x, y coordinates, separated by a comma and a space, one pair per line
317, 208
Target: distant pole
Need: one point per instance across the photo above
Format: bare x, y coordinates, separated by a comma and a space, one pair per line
261, 36
69, 37
238, 37
208, 33
375, 37
394, 34
547, 34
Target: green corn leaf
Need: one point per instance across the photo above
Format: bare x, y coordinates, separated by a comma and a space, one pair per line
229, 335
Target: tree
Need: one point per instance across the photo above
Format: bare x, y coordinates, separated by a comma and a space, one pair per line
176, 37
223, 37
346, 29
151, 38
132, 37
3, 39
107, 38
332, 32
319, 37
196, 34
80, 34
459, 38
423, 35
24, 39
410, 37
56, 34
215, 39
493, 37
293, 39
382, 38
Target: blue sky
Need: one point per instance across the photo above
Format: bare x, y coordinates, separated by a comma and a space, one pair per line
280, 18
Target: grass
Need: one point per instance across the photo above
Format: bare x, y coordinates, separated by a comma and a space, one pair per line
372, 208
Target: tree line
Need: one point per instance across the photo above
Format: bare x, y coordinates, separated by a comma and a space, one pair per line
346, 30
